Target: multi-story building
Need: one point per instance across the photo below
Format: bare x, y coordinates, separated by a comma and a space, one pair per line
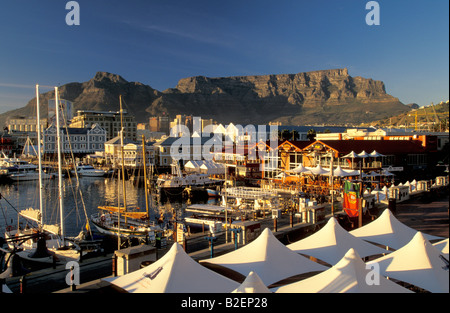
80, 141
26, 124
109, 121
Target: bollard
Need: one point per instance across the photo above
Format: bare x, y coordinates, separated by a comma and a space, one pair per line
235, 231
211, 243
392, 205
23, 284
291, 219
114, 265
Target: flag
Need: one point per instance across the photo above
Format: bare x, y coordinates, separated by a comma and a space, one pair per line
351, 198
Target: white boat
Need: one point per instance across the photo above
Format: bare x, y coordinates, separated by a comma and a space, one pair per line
28, 176
89, 171
178, 181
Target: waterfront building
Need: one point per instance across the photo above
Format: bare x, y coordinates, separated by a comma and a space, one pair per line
80, 141
26, 124
132, 153
109, 121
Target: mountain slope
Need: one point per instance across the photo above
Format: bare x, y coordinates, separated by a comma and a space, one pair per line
328, 96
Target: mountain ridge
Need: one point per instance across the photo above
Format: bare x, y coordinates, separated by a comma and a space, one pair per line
324, 96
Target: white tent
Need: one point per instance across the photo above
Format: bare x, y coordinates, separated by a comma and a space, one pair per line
252, 284
192, 166
363, 154
349, 275
299, 169
267, 257
212, 168
318, 170
332, 242
418, 263
387, 230
375, 154
443, 247
386, 173
351, 155
339, 172
175, 272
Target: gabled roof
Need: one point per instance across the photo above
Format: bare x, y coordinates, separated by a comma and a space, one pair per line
385, 147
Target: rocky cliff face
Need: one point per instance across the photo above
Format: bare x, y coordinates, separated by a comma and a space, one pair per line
329, 96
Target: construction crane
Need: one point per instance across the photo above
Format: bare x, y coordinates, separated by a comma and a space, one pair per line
416, 114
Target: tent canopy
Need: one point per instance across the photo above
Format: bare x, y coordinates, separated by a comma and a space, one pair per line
351, 155
175, 272
349, 275
388, 230
267, 257
332, 242
252, 284
417, 263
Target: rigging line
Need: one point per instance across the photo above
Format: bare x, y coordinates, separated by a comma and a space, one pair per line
77, 178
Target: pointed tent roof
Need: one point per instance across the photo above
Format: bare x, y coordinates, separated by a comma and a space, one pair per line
443, 247
300, 169
388, 230
375, 154
175, 272
252, 284
363, 154
417, 263
339, 172
351, 155
267, 257
318, 170
347, 276
332, 242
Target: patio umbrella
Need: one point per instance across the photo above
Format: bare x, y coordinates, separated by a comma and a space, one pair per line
375, 154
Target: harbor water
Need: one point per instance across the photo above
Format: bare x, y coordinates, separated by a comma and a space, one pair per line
81, 200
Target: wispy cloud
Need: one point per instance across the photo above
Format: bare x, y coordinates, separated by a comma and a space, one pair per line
21, 86
195, 35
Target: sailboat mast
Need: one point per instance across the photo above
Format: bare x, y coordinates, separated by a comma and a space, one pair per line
58, 136
123, 162
38, 130
144, 159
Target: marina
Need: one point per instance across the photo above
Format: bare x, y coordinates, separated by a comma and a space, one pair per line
288, 226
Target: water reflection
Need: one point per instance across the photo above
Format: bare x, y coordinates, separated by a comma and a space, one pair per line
79, 202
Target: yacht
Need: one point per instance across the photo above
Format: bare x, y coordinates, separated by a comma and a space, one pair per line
177, 181
89, 171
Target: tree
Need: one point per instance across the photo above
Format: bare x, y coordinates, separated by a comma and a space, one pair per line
311, 135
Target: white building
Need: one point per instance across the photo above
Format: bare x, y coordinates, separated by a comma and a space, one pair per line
76, 140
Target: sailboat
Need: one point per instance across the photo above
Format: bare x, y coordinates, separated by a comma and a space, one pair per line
119, 221
45, 243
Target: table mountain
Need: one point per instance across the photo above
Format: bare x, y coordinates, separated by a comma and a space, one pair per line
327, 96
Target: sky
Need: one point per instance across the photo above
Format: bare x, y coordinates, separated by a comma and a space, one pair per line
160, 42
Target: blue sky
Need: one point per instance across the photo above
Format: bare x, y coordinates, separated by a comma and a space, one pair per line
160, 42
